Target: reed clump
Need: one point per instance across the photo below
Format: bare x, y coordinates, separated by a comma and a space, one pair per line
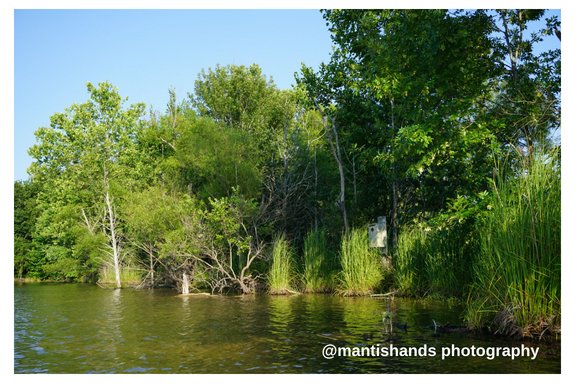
410, 260
282, 270
435, 258
362, 267
516, 288
130, 277
317, 274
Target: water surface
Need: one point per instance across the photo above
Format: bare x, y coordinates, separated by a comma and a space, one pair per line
75, 328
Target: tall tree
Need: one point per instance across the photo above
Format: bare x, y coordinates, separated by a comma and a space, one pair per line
212, 158
26, 261
268, 127
164, 227
242, 98
86, 158
404, 86
525, 109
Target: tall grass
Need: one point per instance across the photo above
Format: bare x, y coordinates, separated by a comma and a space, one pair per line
129, 276
316, 276
410, 260
517, 276
361, 266
435, 259
282, 271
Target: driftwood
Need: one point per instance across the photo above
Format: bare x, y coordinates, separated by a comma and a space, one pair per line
388, 294
285, 291
194, 294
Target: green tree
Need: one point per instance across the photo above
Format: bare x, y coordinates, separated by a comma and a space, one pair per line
231, 243
27, 259
242, 98
84, 161
213, 159
197, 154
165, 228
525, 107
268, 126
403, 88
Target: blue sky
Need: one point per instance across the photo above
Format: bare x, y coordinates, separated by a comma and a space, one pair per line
146, 52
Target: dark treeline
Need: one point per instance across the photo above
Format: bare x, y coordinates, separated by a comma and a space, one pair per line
445, 122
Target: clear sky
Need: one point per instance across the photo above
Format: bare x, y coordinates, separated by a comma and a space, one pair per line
146, 52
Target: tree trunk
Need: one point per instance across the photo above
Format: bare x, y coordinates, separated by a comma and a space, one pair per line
354, 180
342, 199
20, 271
394, 215
394, 218
338, 157
185, 284
315, 189
115, 250
151, 267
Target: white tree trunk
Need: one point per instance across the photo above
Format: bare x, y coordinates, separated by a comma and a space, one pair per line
115, 250
185, 284
338, 157
151, 269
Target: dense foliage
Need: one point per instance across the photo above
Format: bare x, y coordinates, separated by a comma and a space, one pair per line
241, 185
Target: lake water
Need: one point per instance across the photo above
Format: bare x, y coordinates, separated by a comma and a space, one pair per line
76, 328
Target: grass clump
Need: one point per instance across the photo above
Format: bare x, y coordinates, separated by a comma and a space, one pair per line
362, 268
435, 258
282, 271
517, 276
316, 276
129, 277
410, 260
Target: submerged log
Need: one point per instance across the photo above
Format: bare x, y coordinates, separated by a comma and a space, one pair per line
387, 294
448, 328
195, 294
